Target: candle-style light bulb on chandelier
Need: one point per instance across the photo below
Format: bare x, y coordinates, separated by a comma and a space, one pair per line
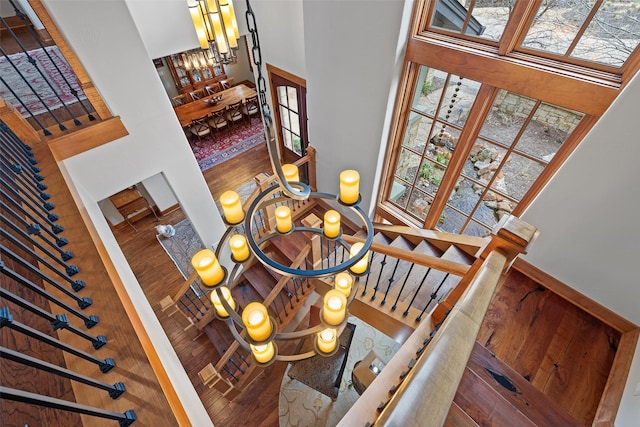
247, 234
216, 28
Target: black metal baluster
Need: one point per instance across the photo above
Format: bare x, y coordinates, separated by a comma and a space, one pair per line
37, 67
36, 38
433, 296
55, 228
70, 269
58, 321
395, 269
6, 320
383, 263
35, 230
20, 183
82, 302
89, 321
114, 390
406, 312
395, 304
125, 419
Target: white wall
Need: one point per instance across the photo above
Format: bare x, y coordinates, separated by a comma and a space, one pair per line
350, 57
165, 26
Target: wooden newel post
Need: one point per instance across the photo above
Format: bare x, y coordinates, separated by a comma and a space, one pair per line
311, 152
511, 236
313, 221
14, 120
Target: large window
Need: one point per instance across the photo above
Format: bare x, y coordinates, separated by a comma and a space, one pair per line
495, 97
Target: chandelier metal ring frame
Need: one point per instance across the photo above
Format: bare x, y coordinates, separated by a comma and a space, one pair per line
244, 225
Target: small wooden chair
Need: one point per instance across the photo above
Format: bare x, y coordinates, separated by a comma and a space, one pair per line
197, 94
251, 107
181, 100
200, 127
234, 112
213, 88
169, 306
218, 119
212, 378
227, 83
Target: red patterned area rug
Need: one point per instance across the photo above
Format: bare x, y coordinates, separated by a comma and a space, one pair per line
47, 63
226, 144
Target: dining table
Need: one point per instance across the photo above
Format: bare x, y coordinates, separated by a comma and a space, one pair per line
188, 112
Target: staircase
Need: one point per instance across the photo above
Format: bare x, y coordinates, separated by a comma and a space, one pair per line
490, 392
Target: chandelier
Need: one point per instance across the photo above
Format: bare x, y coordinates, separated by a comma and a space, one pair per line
245, 237
216, 27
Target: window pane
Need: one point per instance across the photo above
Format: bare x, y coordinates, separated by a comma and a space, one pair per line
428, 91
507, 116
457, 100
609, 38
297, 145
483, 161
399, 193
287, 139
429, 177
465, 197
284, 113
519, 174
419, 204
548, 129
612, 35
486, 20
293, 98
407, 166
442, 143
451, 221
295, 123
417, 132
475, 229
282, 95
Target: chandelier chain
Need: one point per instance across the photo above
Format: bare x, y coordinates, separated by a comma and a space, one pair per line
257, 57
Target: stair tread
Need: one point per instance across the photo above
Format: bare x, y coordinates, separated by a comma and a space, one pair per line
458, 418
484, 405
519, 392
260, 279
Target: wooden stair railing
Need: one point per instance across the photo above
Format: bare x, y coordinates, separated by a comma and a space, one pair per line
417, 387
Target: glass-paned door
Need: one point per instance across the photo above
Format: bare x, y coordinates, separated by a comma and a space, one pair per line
289, 96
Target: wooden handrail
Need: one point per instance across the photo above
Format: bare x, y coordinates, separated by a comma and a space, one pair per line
448, 266
435, 378
470, 244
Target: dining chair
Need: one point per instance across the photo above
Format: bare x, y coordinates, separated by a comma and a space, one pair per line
213, 88
227, 83
218, 119
234, 112
180, 100
200, 127
251, 107
197, 94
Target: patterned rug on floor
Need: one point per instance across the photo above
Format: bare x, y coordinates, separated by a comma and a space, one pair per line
300, 405
47, 63
226, 144
185, 242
